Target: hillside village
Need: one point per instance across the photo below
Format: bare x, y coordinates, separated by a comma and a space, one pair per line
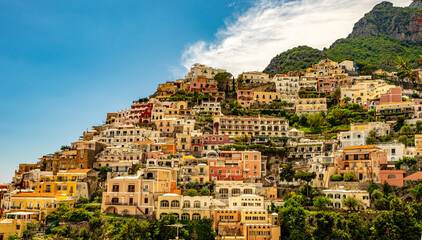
237, 151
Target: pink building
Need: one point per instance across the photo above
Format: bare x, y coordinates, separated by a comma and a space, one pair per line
202, 84
326, 85
236, 166
212, 142
392, 177
197, 144
392, 95
245, 97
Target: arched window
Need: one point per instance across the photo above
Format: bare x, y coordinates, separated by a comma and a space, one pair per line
197, 204
391, 176
186, 204
164, 204
175, 204
196, 216
185, 216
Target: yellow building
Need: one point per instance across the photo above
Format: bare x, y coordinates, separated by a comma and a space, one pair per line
266, 97
71, 184
38, 203
246, 224
16, 223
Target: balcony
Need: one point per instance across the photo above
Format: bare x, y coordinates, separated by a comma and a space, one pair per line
120, 204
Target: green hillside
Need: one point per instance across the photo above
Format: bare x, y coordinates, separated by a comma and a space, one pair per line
375, 42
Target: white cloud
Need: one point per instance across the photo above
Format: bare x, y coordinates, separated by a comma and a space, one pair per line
272, 26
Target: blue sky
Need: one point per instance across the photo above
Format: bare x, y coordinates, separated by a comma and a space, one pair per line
65, 64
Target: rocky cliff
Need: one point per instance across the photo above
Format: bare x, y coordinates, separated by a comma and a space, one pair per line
397, 22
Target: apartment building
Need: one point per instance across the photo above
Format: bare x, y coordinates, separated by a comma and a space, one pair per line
135, 195
364, 161
245, 97
338, 195
253, 126
255, 77
310, 105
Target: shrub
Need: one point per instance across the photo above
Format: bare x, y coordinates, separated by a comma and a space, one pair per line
336, 177
205, 192
349, 176
191, 192
61, 231
76, 215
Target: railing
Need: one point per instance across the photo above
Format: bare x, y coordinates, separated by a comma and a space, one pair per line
120, 204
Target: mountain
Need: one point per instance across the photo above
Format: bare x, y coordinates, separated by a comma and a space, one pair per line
375, 42
295, 59
397, 22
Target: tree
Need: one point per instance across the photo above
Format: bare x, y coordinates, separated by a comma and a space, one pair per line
315, 121
403, 139
409, 161
102, 175
76, 215
321, 202
349, 176
347, 99
205, 192
352, 203
399, 223
13, 237
191, 192
287, 173
371, 140
223, 76
399, 124
293, 220
417, 191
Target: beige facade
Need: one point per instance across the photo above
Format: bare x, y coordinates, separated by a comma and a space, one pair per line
254, 126
246, 224
364, 161
310, 105
255, 77
337, 196
247, 202
185, 207
390, 111
199, 173
202, 70
135, 195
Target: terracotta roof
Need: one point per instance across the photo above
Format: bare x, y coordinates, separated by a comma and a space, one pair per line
32, 194
360, 147
144, 142
78, 170
394, 103
415, 176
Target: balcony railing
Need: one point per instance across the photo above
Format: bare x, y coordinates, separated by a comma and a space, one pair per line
120, 204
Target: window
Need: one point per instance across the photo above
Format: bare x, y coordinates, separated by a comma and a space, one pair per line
197, 204
115, 188
131, 188
48, 188
186, 204
164, 204
175, 204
